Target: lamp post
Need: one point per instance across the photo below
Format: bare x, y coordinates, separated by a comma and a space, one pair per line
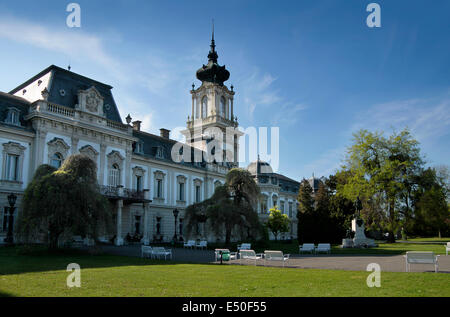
175, 215
12, 201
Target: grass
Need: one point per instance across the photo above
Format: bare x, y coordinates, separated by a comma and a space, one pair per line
107, 275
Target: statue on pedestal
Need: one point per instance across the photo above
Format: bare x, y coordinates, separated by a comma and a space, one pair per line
360, 239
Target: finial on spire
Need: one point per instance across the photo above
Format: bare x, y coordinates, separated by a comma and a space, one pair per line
213, 44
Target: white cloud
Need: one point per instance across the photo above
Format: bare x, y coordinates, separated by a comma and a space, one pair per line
74, 44
327, 163
428, 119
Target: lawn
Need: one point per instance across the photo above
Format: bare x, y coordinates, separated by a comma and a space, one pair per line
107, 275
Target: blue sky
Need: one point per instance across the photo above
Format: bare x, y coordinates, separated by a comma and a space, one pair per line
312, 68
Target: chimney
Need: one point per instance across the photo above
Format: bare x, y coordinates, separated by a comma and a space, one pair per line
164, 133
137, 125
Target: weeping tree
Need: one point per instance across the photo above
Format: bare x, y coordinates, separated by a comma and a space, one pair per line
229, 209
64, 201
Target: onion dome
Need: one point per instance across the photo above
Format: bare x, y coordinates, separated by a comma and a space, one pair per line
213, 72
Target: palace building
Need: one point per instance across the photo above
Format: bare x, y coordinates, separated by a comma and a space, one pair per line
58, 113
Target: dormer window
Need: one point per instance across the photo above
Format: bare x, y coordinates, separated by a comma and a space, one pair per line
139, 148
13, 116
159, 152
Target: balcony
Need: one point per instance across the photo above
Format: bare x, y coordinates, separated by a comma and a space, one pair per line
44, 107
125, 194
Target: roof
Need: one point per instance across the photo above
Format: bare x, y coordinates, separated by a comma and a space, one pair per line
10, 101
71, 83
152, 143
259, 167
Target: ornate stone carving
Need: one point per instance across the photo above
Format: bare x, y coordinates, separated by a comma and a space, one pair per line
90, 152
91, 100
57, 145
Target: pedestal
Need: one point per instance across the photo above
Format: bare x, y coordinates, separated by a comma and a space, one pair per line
118, 241
360, 240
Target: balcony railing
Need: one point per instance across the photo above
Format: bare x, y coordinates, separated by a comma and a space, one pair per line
123, 193
42, 106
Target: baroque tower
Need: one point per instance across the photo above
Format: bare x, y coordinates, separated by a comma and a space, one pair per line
212, 125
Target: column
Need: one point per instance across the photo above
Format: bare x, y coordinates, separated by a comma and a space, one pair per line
101, 170
119, 239
232, 109
192, 118
74, 146
127, 171
146, 239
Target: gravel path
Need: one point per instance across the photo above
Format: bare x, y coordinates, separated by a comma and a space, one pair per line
388, 263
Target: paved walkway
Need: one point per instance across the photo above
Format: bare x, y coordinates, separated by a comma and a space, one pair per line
388, 263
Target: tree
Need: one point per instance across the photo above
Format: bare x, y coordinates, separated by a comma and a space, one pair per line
305, 212
277, 222
382, 172
430, 201
64, 201
230, 208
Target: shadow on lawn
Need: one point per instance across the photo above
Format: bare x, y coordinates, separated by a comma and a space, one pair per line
4, 294
13, 262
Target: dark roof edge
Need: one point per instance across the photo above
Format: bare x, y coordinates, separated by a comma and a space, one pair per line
17, 98
48, 69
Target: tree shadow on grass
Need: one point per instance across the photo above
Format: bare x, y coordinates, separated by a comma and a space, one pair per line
5, 294
13, 261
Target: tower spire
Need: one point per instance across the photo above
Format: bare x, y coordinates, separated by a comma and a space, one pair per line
212, 56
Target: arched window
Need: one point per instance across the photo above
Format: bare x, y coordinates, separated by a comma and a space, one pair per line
204, 107
56, 160
223, 105
114, 175
197, 110
263, 204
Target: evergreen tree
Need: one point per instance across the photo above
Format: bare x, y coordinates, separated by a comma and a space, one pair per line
305, 212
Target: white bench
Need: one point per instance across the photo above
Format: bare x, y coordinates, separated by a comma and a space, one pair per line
270, 255
307, 247
202, 244
233, 255
189, 244
447, 248
160, 252
421, 257
249, 255
323, 247
244, 246
146, 250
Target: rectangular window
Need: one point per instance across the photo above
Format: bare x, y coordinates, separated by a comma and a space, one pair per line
290, 209
197, 194
138, 183
181, 226
181, 196
282, 206
12, 167
159, 188
158, 225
